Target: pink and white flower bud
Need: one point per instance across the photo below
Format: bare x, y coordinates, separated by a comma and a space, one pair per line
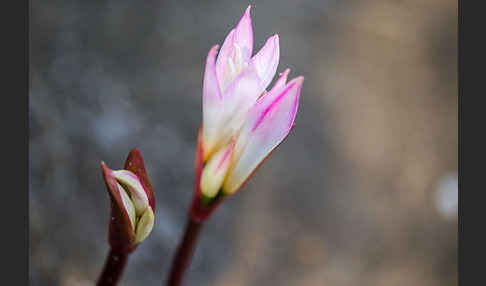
242, 123
233, 81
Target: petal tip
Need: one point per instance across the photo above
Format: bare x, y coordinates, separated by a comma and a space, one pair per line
212, 53
135, 153
285, 73
246, 15
274, 41
247, 11
135, 150
244, 27
214, 49
105, 169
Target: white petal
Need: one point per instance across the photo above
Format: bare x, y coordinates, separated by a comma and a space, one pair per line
134, 187
127, 204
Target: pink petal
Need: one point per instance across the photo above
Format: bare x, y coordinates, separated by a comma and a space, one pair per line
224, 120
240, 95
266, 61
211, 98
242, 35
225, 53
270, 121
211, 90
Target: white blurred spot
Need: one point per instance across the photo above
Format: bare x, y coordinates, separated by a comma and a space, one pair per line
446, 198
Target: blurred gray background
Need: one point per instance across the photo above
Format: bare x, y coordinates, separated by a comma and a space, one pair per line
362, 192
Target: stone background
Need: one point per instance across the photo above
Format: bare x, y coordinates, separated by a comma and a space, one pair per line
362, 192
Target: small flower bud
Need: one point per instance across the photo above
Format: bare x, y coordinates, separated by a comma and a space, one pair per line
215, 171
132, 203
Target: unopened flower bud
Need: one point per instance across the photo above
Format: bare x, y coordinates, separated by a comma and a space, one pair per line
215, 171
132, 203
239, 112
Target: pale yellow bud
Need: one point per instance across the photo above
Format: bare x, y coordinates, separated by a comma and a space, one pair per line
215, 171
144, 225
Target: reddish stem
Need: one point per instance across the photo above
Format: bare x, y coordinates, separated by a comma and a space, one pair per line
114, 266
184, 252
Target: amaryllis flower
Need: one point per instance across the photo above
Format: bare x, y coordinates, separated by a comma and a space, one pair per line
242, 122
132, 203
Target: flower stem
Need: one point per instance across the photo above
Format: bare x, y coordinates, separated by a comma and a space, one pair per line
184, 252
114, 266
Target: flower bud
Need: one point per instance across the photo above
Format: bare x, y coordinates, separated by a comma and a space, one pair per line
240, 114
132, 203
215, 171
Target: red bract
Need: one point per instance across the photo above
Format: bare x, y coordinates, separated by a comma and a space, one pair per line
135, 164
